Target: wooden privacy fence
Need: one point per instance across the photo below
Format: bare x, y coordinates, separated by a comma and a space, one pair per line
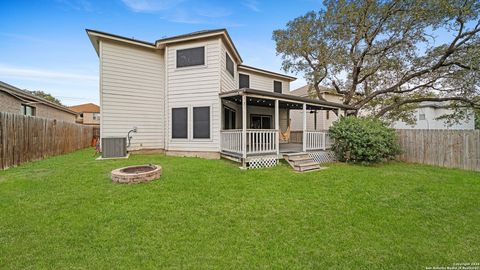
446, 148
26, 138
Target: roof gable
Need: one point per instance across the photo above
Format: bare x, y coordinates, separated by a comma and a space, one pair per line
87, 107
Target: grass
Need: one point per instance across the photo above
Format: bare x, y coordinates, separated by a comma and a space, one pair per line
64, 212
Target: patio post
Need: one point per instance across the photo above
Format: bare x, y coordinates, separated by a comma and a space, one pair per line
304, 127
244, 130
277, 128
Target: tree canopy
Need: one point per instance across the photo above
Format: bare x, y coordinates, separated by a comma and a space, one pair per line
46, 96
385, 57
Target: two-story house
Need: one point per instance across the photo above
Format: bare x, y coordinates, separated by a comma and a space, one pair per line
88, 114
192, 95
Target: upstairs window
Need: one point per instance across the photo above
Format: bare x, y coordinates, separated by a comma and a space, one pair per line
229, 64
421, 116
191, 57
244, 81
96, 116
277, 87
28, 110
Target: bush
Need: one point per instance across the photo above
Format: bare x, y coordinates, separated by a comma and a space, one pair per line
361, 139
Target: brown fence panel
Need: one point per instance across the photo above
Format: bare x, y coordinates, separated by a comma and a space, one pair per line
26, 138
445, 148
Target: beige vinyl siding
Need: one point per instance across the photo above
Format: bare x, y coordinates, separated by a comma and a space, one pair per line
132, 94
263, 82
227, 82
195, 86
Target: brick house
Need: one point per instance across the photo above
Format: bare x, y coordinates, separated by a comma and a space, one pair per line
15, 100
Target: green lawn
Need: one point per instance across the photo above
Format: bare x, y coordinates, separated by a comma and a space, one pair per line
64, 212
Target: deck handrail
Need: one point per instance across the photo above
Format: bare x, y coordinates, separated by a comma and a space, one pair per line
259, 141
316, 140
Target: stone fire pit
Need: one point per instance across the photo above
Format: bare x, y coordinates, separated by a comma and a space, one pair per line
136, 174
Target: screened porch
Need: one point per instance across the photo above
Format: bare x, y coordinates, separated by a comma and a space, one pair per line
256, 123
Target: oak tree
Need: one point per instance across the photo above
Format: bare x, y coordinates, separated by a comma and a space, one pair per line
386, 57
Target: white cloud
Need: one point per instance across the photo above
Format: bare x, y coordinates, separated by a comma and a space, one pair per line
213, 12
150, 5
183, 11
252, 5
31, 74
81, 5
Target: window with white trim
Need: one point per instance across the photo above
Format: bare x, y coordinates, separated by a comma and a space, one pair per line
277, 87
180, 123
201, 122
191, 57
243, 80
229, 65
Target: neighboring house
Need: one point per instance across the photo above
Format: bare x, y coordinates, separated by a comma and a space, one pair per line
15, 100
192, 95
88, 114
316, 119
427, 114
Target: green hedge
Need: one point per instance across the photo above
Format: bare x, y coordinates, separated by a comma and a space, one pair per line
361, 139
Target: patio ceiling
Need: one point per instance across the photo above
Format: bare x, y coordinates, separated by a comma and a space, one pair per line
267, 99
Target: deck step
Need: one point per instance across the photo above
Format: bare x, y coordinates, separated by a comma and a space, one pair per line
298, 158
307, 168
301, 162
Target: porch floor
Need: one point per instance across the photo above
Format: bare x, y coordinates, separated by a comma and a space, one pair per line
291, 147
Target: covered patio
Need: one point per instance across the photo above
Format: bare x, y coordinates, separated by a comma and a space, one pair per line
256, 123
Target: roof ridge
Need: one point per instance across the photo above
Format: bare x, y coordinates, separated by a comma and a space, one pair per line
192, 33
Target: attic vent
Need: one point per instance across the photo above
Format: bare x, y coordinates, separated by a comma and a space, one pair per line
114, 147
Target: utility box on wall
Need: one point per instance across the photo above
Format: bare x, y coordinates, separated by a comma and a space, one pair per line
114, 147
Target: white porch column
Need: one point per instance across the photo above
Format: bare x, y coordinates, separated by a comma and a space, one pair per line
277, 127
304, 127
244, 129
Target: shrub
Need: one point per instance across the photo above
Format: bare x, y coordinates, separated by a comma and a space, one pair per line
360, 139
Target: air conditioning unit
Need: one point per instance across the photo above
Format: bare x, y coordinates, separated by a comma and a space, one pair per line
114, 147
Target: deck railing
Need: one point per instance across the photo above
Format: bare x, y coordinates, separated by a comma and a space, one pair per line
231, 140
263, 141
317, 140
260, 141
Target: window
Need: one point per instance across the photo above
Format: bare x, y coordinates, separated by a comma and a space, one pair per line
96, 116
28, 110
229, 66
179, 123
191, 57
328, 115
201, 122
260, 121
421, 116
277, 87
244, 81
229, 118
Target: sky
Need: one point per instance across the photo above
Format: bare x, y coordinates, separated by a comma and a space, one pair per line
44, 46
